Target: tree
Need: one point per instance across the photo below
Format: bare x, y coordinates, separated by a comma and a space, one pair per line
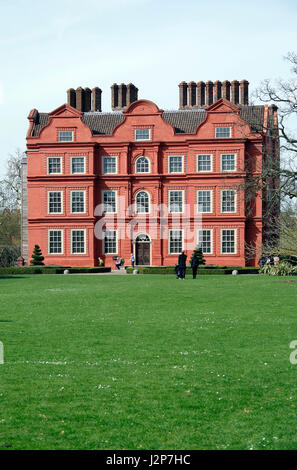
198, 252
37, 258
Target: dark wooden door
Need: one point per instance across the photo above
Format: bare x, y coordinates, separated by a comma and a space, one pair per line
142, 253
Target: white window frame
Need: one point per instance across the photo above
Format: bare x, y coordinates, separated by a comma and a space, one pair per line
47, 165
78, 172
116, 164
71, 241
176, 172
235, 201
211, 162
235, 241
235, 162
116, 199
182, 234
63, 141
149, 202
183, 201
142, 172
211, 201
78, 191
48, 201
211, 239
103, 241
48, 241
223, 127
142, 129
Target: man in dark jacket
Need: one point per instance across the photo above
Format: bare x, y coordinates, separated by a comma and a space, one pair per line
182, 265
194, 264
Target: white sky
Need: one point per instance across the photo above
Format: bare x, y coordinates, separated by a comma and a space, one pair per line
48, 47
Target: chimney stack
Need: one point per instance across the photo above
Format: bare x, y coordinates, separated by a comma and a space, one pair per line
96, 99
87, 105
123, 95
80, 98
209, 93
71, 97
201, 94
226, 90
192, 94
244, 92
183, 95
235, 92
217, 90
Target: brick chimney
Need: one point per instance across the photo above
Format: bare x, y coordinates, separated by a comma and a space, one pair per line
183, 95
244, 92
96, 99
209, 93
71, 97
201, 94
235, 91
192, 94
80, 98
226, 90
217, 90
87, 105
123, 95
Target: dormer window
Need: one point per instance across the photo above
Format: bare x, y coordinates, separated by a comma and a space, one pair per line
65, 136
142, 134
223, 132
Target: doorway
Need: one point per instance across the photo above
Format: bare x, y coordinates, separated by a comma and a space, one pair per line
142, 250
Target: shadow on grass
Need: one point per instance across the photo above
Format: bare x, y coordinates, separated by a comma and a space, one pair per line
11, 276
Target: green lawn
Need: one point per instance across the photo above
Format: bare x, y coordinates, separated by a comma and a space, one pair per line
148, 362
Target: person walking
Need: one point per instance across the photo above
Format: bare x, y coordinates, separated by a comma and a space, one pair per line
182, 265
194, 265
132, 259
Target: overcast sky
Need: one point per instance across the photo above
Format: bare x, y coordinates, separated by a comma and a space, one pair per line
47, 47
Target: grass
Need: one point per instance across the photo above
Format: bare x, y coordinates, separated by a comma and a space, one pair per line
147, 362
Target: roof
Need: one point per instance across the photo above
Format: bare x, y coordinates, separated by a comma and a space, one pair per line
183, 121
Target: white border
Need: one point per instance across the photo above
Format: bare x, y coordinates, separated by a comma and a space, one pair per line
211, 201
103, 242
78, 191
77, 172
183, 200
71, 240
223, 127
142, 172
235, 241
116, 199
116, 164
168, 241
62, 201
235, 201
235, 162
211, 163
211, 239
47, 165
176, 172
48, 241
142, 129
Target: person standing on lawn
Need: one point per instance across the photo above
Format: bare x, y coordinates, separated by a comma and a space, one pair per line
132, 259
182, 265
194, 265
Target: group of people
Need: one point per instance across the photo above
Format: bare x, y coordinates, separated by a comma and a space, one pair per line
272, 260
180, 268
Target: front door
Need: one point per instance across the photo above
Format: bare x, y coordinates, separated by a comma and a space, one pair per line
142, 250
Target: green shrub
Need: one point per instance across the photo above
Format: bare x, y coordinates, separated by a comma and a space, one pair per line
201, 270
283, 268
52, 270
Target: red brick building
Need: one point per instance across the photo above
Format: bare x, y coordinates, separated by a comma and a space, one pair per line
145, 181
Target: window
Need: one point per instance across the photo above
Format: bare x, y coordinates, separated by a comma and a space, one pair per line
142, 203
228, 162
110, 242
109, 165
175, 241
142, 165
228, 241
55, 202
54, 165
142, 134
78, 242
228, 199
109, 201
175, 163
223, 132
65, 136
175, 201
204, 162
77, 165
205, 240
204, 201
55, 242
77, 201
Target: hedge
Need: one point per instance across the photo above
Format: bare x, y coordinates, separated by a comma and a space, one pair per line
201, 270
52, 270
